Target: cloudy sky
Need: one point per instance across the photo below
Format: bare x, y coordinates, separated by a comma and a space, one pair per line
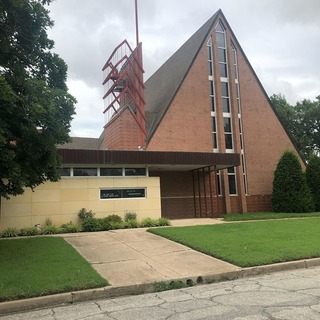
281, 39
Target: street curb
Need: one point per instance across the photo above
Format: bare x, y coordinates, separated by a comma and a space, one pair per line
118, 291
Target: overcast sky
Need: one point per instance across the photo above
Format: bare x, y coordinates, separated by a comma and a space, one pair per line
281, 39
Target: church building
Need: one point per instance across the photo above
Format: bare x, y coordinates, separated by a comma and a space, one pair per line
199, 138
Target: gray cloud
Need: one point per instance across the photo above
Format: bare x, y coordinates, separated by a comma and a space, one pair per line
280, 38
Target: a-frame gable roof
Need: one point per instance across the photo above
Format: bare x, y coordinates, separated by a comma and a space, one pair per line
162, 86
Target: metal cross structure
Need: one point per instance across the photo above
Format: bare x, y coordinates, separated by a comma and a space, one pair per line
123, 82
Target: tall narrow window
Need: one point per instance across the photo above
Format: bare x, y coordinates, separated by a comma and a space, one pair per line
236, 79
224, 82
232, 181
212, 95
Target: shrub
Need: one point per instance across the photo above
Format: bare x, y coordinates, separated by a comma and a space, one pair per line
83, 214
70, 228
114, 218
115, 225
50, 229
148, 222
163, 222
10, 232
313, 179
130, 224
92, 224
130, 216
32, 231
290, 190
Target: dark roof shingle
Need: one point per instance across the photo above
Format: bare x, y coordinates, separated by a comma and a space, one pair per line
162, 86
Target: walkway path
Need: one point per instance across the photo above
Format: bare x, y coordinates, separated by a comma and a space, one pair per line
134, 256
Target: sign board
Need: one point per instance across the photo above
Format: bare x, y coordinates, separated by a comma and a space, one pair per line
122, 193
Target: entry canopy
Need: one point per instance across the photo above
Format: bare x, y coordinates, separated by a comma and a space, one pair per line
154, 160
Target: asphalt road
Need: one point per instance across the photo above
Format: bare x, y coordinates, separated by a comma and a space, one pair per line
283, 295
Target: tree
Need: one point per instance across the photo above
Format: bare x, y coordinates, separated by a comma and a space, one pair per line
290, 190
302, 122
35, 106
313, 179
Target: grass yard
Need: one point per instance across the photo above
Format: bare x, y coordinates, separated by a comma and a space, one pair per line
251, 243
43, 265
267, 215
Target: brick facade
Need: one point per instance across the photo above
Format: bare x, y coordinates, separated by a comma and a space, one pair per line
186, 125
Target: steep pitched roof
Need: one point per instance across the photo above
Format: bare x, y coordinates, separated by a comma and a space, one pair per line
82, 143
163, 85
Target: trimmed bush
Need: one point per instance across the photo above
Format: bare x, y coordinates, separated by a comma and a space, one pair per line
84, 214
92, 224
163, 222
113, 218
130, 224
313, 179
290, 190
148, 222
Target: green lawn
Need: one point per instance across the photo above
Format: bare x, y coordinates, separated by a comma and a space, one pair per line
251, 243
43, 265
267, 215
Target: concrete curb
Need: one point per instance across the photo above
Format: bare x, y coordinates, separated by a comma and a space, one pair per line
113, 292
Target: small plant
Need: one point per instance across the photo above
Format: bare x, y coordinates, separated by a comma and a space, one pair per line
130, 224
163, 222
148, 222
32, 231
10, 232
83, 214
48, 222
70, 228
92, 224
50, 229
114, 218
164, 286
130, 216
115, 225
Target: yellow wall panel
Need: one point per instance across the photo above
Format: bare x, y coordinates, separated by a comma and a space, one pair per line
46, 196
62, 201
70, 195
74, 183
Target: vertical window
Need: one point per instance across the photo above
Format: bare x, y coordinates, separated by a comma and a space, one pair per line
219, 183
236, 79
228, 133
232, 181
224, 82
212, 95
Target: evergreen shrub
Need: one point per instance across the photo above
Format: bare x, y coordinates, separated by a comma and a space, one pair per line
290, 190
313, 179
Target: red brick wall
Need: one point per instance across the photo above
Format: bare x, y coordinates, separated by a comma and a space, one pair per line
259, 203
187, 125
122, 133
265, 139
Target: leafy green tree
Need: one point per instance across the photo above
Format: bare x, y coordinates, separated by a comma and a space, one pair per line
290, 190
313, 179
302, 121
35, 106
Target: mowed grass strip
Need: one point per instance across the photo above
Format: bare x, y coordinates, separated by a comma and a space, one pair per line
248, 244
40, 266
268, 215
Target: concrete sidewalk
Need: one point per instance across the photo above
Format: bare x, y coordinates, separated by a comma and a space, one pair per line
135, 256
133, 260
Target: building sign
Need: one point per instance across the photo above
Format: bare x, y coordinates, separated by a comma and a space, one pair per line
122, 193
